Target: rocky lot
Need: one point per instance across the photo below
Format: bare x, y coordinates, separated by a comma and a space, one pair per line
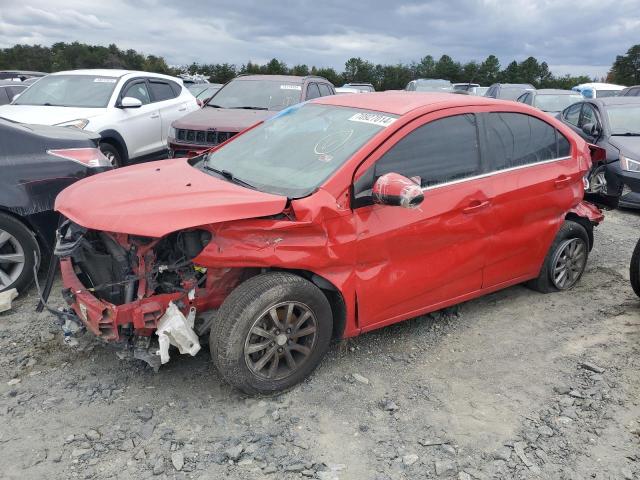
515, 385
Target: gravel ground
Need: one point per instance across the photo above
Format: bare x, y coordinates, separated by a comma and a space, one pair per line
515, 385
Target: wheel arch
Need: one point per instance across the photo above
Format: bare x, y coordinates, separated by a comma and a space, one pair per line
37, 235
584, 222
112, 137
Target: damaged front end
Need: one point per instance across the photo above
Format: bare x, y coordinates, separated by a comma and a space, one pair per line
125, 288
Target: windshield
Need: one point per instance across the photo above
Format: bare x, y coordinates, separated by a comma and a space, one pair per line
556, 103
624, 119
85, 91
258, 94
197, 88
511, 93
294, 152
607, 93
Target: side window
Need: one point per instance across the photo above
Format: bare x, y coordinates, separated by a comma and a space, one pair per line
522, 98
324, 89
516, 139
437, 152
572, 114
634, 92
137, 90
588, 115
312, 91
492, 92
161, 91
4, 98
564, 147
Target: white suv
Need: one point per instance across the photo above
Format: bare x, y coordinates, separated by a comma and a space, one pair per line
132, 111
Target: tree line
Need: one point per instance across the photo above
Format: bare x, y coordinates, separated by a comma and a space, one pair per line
69, 56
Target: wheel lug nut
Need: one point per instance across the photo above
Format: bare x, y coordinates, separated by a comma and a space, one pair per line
288, 330
277, 332
280, 350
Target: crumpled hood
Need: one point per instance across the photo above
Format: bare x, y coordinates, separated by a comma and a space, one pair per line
48, 115
222, 119
627, 145
155, 199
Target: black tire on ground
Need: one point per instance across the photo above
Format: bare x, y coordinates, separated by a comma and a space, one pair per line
111, 153
568, 232
250, 308
22, 242
634, 269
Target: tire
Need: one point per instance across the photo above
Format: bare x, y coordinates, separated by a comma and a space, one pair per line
634, 269
111, 153
19, 252
248, 310
570, 235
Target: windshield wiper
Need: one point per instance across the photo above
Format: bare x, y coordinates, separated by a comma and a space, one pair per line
229, 176
626, 134
213, 105
251, 108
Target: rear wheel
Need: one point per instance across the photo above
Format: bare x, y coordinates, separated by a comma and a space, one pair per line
19, 252
112, 154
271, 332
565, 261
634, 269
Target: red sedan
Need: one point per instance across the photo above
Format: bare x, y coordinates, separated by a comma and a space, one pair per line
334, 218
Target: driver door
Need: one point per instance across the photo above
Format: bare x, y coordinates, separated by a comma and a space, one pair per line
414, 260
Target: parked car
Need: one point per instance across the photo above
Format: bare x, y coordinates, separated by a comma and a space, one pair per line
598, 90
132, 111
471, 88
9, 89
336, 217
361, 86
481, 91
508, 91
204, 91
633, 91
612, 123
36, 163
20, 75
550, 100
634, 269
429, 85
345, 90
240, 103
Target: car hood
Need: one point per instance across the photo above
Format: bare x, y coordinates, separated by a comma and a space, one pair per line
47, 115
222, 119
627, 145
158, 198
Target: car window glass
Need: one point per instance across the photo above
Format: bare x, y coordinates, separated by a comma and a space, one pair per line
161, 91
572, 114
588, 115
564, 147
137, 90
312, 91
324, 89
516, 139
438, 152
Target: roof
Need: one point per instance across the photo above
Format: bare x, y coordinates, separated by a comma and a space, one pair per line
597, 85
10, 83
515, 85
616, 101
114, 72
25, 72
276, 78
402, 102
556, 91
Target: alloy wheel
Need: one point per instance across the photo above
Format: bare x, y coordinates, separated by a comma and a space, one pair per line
281, 340
12, 259
568, 263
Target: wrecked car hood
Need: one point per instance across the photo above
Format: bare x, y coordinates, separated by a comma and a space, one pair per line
223, 119
48, 115
155, 199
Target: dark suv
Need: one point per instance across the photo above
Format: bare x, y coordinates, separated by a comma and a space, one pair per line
240, 103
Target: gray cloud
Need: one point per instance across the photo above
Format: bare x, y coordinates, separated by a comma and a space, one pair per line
577, 37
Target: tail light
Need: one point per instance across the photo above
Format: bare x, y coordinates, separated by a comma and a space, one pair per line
89, 157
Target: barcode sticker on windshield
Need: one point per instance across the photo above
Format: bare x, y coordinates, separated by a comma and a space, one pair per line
104, 80
373, 119
290, 87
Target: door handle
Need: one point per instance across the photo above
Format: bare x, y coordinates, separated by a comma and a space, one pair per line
183, 108
476, 205
562, 181
155, 115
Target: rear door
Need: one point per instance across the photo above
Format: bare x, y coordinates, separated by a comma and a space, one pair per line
413, 260
164, 95
535, 181
140, 127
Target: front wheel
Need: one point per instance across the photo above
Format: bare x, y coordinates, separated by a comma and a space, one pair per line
566, 260
634, 269
271, 333
112, 154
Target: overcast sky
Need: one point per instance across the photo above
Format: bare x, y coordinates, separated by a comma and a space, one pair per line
579, 37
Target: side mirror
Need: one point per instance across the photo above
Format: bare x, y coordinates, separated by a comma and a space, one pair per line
130, 102
395, 190
591, 129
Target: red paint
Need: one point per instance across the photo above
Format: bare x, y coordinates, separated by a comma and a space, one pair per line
464, 240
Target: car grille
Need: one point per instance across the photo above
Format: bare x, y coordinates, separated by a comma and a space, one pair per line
203, 137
